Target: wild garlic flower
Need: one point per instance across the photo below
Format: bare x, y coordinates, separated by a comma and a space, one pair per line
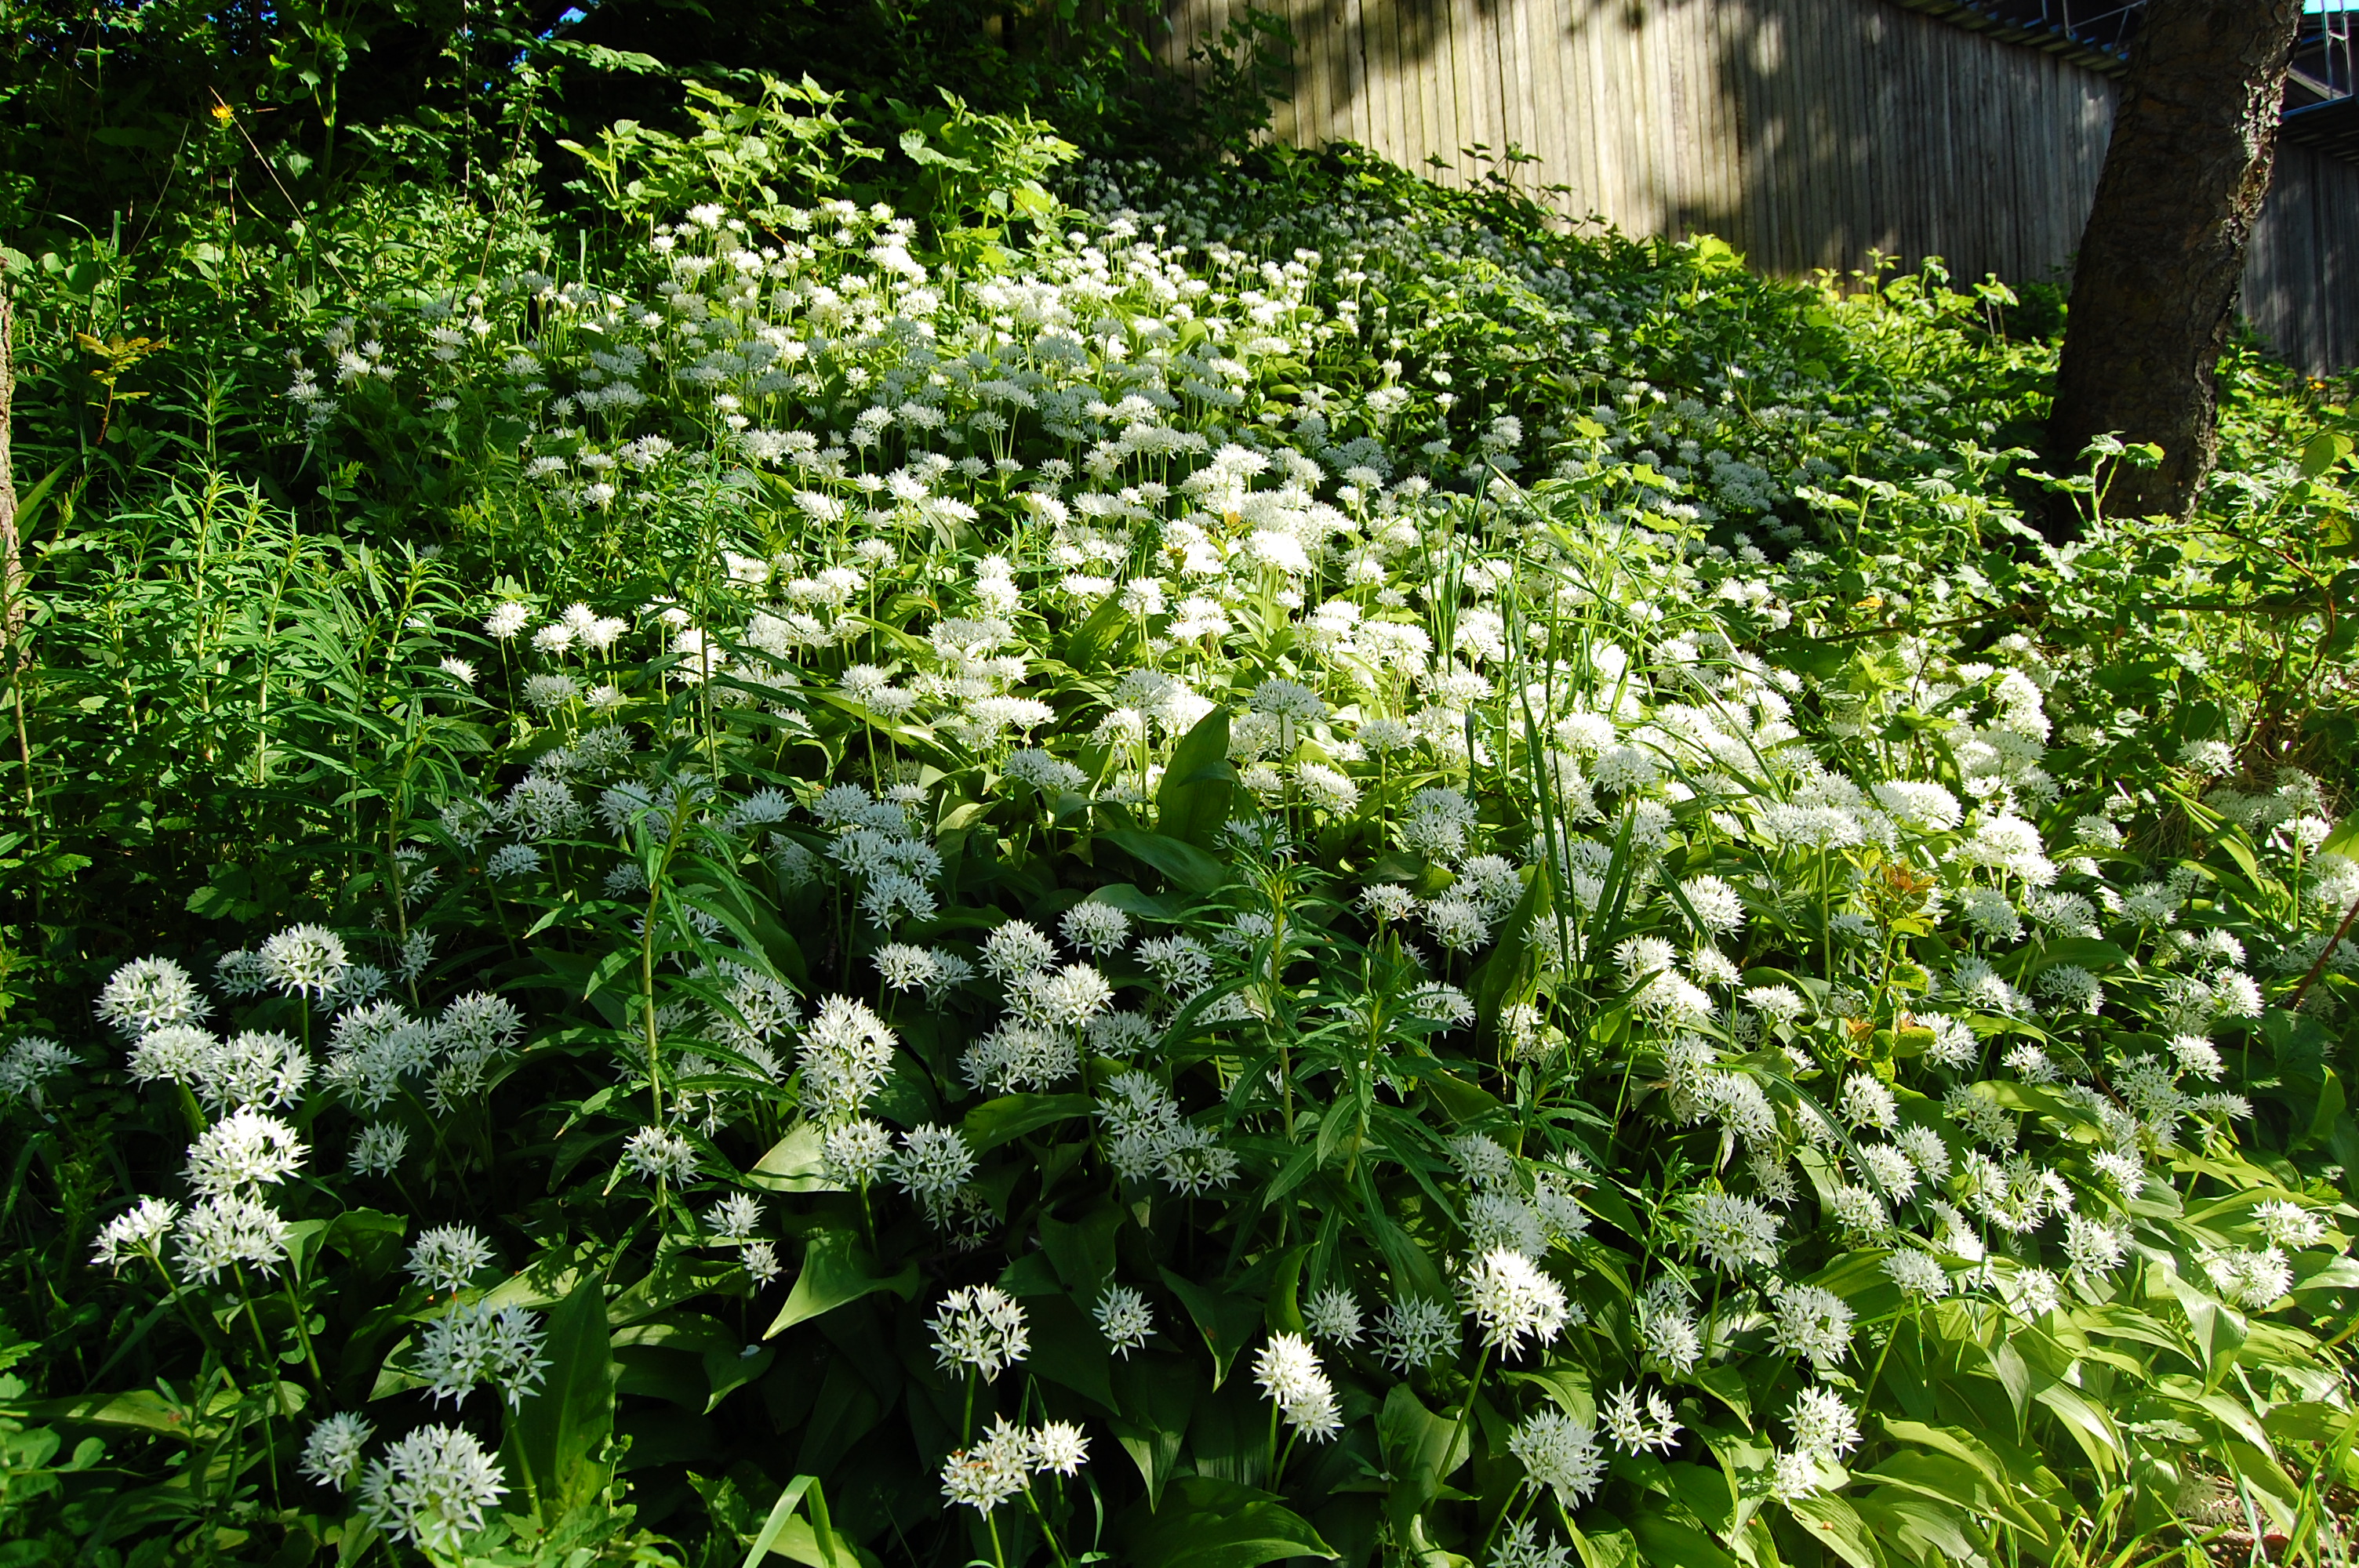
733, 1218
1635, 1428
430, 1488
227, 1230
854, 1154
148, 994
245, 1149
1509, 1297
992, 1471
305, 960
1561, 1452
475, 1342
29, 1061
1731, 1232
1095, 928
1822, 1423
447, 1258
138, 1232
1812, 1324
933, 1165
981, 1327
1521, 1547
845, 1056
1415, 1332
1288, 1371
660, 1155
1333, 1313
1125, 1318
332, 1454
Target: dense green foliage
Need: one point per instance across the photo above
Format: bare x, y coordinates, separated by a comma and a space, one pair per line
819, 811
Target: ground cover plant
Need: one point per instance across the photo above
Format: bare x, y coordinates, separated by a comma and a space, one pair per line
1161, 868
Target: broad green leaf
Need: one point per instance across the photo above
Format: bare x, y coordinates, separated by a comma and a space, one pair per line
793, 1164
1228, 1323
1157, 1394
561, 1428
1835, 1525
1010, 1117
1191, 804
1185, 865
835, 1270
1421, 1451
1208, 1523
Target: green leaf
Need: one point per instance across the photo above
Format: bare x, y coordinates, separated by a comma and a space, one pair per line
1835, 1525
1421, 1450
1156, 1394
1183, 864
562, 1427
1191, 805
1226, 1322
812, 1541
1010, 1117
793, 1164
1208, 1523
835, 1270
1667, 1540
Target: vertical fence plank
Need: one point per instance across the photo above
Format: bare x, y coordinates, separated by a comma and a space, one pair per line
1807, 131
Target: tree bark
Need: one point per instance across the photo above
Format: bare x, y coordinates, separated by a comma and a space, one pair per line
2188, 164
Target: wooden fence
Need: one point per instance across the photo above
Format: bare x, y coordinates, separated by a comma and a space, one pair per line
1804, 132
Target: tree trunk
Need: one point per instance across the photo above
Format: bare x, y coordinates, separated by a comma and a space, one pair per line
2164, 250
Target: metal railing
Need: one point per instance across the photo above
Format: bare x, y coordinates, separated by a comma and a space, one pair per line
2322, 59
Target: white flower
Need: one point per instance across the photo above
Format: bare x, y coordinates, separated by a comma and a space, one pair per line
1288, 1371
305, 960
1822, 1423
2094, 1245
147, 994
1333, 1314
475, 1342
1521, 1546
1731, 1232
2251, 1279
1016, 947
1814, 1324
447, 1258
229, 1229
332, 1454
1917, 1272
2288, 1224
245, 1149
932, 1165
432, 1487
854, 1154
980, 1326
1634, 1430
1559, 1452
1096, 928
1415, 1332
733, 1218
1058, 1447
26, 1063
1868, 1105
1510, 1297
137, 1233
993, 1470
659, 1154
1125, 1319
507, 619
846, 1055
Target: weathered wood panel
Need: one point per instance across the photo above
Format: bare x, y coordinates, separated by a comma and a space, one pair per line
1806, 132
